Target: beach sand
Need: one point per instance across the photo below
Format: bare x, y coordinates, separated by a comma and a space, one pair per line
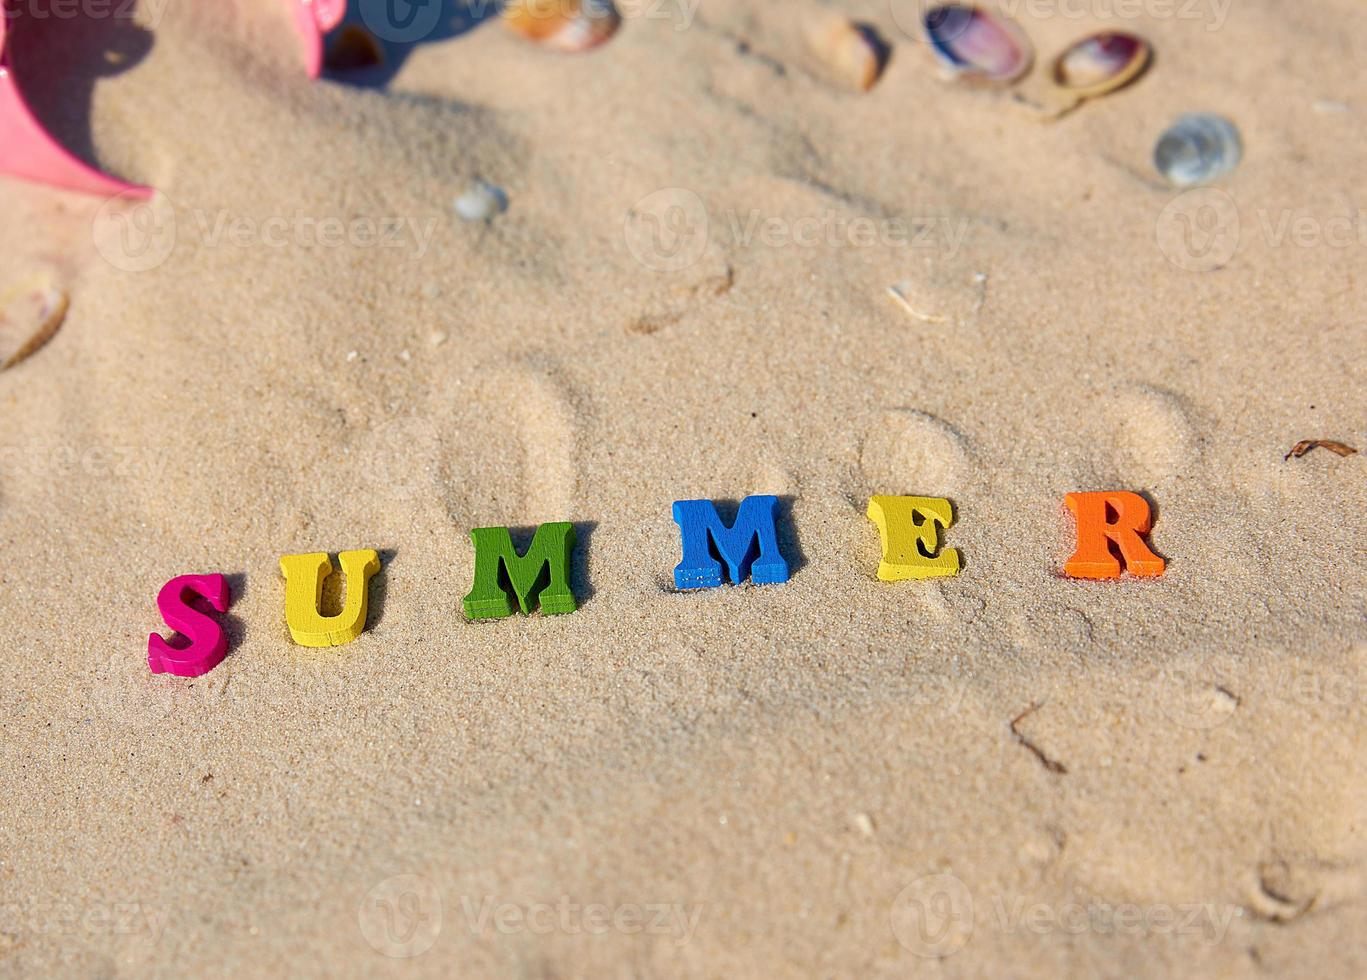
1005, 773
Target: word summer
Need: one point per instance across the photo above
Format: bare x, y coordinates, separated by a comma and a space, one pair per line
1110, 539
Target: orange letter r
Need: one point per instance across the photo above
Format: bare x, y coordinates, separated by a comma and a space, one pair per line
1118, 518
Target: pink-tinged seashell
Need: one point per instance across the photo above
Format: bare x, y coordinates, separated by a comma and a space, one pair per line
563, 25
30, 314
854, 53
974, 45
1102, 63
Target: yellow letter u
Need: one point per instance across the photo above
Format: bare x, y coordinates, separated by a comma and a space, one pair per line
304, 578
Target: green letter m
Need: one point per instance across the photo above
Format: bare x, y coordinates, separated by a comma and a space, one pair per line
544, 571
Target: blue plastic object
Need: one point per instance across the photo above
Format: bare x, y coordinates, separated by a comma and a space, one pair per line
749, 546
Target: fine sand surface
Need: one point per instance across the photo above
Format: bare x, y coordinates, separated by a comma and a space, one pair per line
1006, 773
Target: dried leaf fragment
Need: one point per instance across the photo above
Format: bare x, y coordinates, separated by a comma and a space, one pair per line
1306, 445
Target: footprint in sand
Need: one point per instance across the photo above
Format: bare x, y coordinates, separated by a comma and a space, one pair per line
546, 425
512, 460
910, 452
1154, 439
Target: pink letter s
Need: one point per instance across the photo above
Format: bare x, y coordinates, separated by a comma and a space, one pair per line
207, 644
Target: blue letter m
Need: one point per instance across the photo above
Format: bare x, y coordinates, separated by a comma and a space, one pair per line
749, 547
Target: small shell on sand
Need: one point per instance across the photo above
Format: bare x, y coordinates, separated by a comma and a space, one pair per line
30, 313
354, 48
941, 299
1102, 63
1198, 149
977, 46
563, 25
853, 52
481, 202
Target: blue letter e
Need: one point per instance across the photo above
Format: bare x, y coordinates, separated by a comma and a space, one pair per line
749, 547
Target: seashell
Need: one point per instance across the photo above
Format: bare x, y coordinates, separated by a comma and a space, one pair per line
854, 53
1102, 63
974, 45
354, 48
945, 298
1198, 149
563, 25
30, 313
481, 202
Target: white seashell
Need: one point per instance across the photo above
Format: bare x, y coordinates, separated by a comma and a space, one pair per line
481, 202
1198, 149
